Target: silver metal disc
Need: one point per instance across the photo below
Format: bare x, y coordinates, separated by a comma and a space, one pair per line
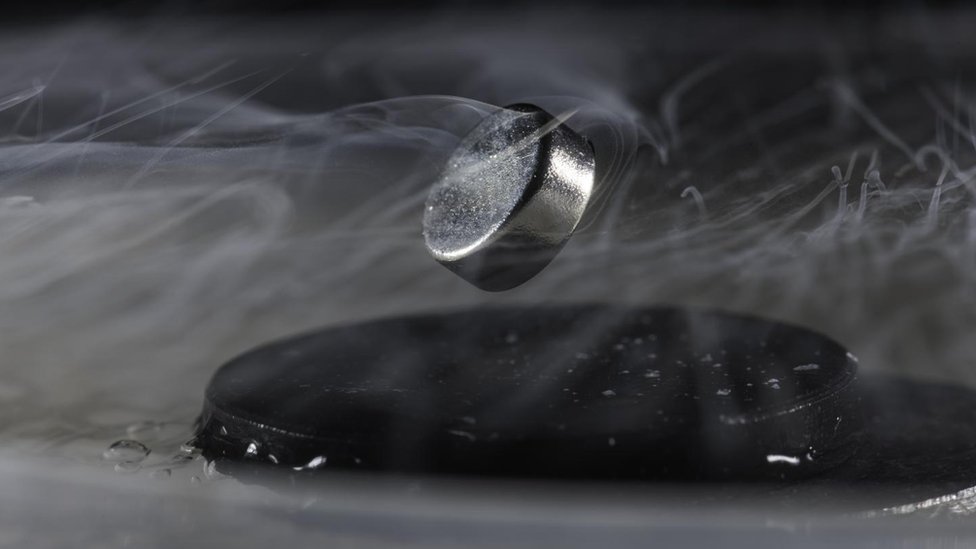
509, 197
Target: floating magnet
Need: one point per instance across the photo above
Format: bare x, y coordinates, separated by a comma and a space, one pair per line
509, 197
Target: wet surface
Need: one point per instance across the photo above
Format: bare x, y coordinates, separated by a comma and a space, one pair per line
655, 394
616, 393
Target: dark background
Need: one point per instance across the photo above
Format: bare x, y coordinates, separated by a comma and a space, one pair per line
18, 12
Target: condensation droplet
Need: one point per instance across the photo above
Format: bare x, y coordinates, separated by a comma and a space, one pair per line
190, 447
463, 434
210, 471
316, 462
126, 450
779, 458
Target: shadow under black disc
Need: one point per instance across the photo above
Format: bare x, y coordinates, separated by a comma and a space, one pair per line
575, 392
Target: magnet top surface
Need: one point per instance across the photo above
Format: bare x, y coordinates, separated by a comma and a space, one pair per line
603, 391
484, 182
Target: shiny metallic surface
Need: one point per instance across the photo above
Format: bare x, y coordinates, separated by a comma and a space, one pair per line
509, 197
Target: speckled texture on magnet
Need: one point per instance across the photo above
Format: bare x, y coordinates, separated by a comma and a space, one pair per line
483, 183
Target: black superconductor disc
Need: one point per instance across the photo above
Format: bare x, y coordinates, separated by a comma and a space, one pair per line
598, 392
